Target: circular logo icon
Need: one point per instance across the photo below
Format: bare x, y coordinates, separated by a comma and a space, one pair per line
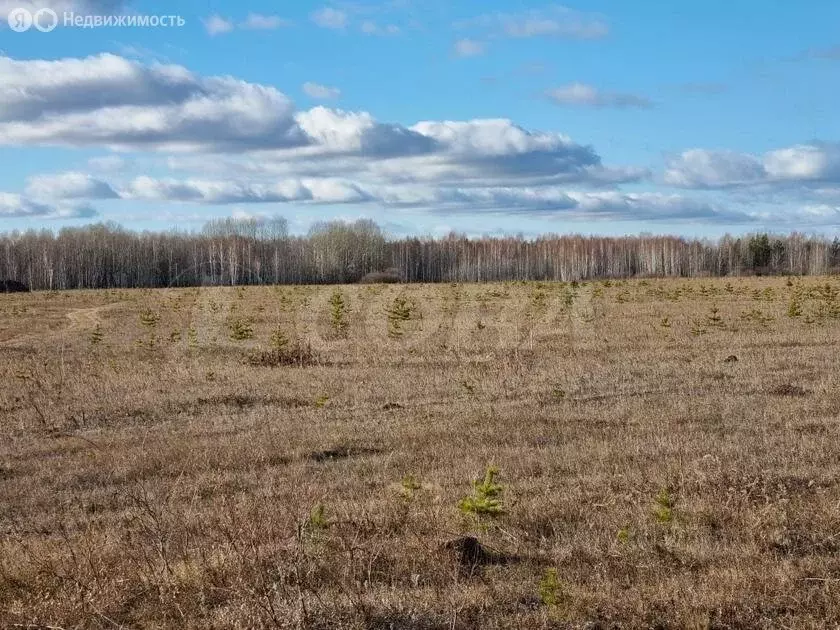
45, 20
20, 20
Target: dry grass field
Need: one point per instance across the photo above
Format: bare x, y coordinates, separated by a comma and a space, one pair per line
305, 457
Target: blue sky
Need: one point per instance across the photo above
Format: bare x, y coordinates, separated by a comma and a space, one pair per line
425, 115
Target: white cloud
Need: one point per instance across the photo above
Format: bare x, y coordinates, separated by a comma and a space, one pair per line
109, 101
797, 165
73, 212
107, 163
585, 95
698, 168
243, 215
804, 162
491, 137
221, 192
328, 17
822, 213
553, 21
70, 185
17, 206
322, 92
259, 22
251, 146
13, 205
469, 153
369, 27
468, 48
540, 200
653, 206
333, 131
217, 25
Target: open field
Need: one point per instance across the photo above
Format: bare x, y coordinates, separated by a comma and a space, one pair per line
667, 456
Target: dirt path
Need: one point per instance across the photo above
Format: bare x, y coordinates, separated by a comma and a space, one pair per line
85, 318
81, 320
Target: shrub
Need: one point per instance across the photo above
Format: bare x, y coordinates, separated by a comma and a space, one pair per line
486, 499
663, 508
192, 337
795, 308
240, 330
410, 485
401, 310
96, 335
149, 319
292, 354
317, 520
389, 276
13, 286
623, 535
551, 589
279, 339
338, 314
714, 317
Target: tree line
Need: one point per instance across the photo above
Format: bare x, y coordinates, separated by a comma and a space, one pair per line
242, 252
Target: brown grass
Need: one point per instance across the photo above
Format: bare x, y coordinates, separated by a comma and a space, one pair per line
668, 447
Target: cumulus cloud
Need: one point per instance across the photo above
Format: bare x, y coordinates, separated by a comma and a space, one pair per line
322, 92
17, 206
110, 101
575, 204
468, 48
656, 206
585, 95
581, 205
327, 17
71, 185
802, 164
463, 153
218, 192
259, 22
698, 168
151, 189
73, 212
217, 25
369, 27
482, 150
333, 131
553, 21
13, 205
252, 146
429, 195
821, 213
537, 201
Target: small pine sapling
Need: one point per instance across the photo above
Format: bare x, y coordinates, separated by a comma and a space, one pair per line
486, 499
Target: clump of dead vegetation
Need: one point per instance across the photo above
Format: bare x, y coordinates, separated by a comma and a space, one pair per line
389, 276
295, 354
